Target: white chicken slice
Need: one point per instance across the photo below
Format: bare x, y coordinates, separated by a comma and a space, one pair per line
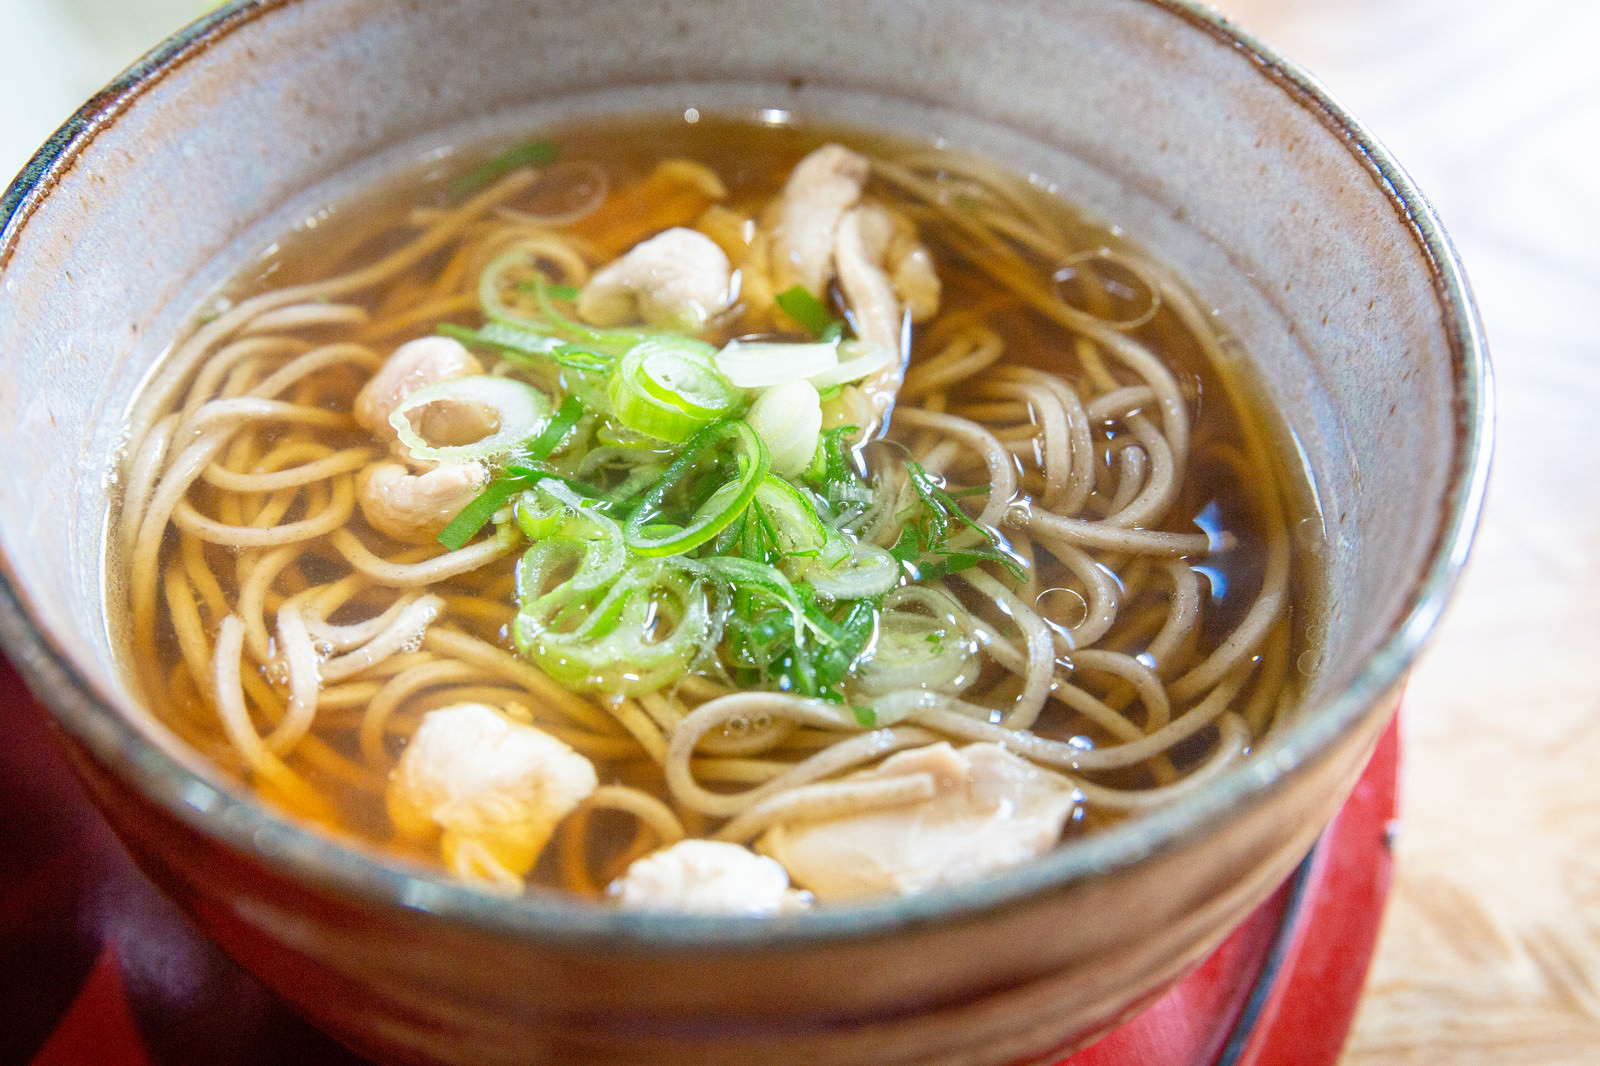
678, 279
885, 273
492, 789
415, 508
803, 220
858, 254
991, 810
707, 877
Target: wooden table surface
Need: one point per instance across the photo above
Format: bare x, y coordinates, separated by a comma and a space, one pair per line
1491, 947
1490, 951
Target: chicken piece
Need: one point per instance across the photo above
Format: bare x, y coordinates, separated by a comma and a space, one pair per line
678, 279
803, 221
415, 508
858, 254
707, 877
491, 788
871, 244
991, 810
885, 273
910, 265
411, 366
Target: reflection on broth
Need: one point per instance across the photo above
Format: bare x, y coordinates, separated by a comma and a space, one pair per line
710, 517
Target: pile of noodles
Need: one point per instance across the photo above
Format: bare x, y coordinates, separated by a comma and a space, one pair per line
261, 602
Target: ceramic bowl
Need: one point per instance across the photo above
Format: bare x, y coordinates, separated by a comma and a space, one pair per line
1202, 145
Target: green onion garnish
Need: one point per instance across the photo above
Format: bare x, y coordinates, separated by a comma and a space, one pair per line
539, 153
568, 293
667, 387
555, 431
475, 515
922, 545
735, 450
810, 312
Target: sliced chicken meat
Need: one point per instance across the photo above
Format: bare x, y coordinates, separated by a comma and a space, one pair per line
412, 500
991, 810
678, 279
707, 877
858, 254
492, 789
805, 218
412, 507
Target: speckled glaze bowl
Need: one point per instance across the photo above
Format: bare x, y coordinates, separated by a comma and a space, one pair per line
1206, 148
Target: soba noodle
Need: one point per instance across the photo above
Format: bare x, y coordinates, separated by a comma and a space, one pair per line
1104, 569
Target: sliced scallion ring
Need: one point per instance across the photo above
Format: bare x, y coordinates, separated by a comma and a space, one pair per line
552, 507
794, 517
667, 387
749, 576
538, 514
636, 636
924, 641
584, 552
510, 287
868, 571
516, 410
514, 290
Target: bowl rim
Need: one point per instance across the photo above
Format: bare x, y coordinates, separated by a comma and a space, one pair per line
348, 869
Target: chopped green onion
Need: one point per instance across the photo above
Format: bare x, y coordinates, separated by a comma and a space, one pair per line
567, 293
567, 532
556, 431
528, 348
666, 387
499, 492
815, 661
923, 541
538, 153
637, 636
836, 464
868, 571
475, 515
539, 515
503, 338
496, 495
648, 530
519, 412
797, 529
924, 640
798, 303
517, 273
747, 576
857, 360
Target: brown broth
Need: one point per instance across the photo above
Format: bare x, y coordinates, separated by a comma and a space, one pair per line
753, 160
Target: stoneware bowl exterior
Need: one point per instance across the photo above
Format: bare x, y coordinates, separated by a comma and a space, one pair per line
1209, 151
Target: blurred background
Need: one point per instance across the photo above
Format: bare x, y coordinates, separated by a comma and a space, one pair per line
1490, 951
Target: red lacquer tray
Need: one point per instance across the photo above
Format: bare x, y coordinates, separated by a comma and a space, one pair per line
96, 966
